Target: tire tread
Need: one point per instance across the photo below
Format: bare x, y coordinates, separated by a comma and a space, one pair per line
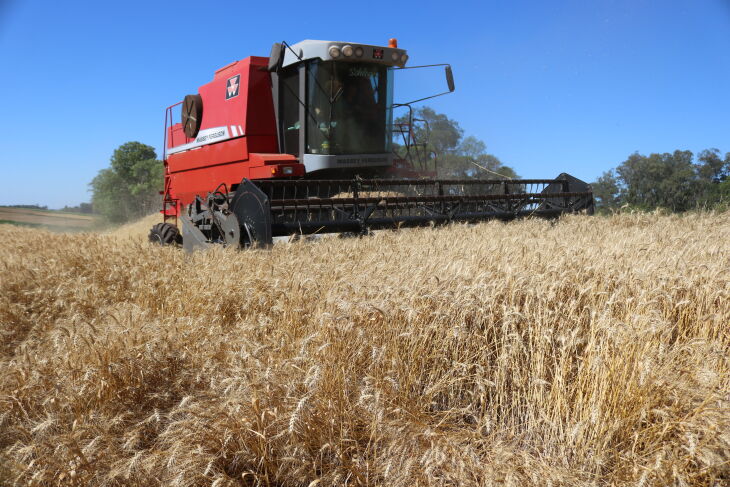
164, 234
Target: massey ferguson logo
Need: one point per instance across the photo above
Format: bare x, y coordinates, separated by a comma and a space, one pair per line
232, 86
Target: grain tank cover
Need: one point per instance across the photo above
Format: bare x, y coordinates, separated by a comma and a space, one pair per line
344, 51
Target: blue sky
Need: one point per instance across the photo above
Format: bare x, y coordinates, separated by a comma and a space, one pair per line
556, 86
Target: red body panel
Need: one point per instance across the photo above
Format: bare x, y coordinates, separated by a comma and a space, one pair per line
250, 152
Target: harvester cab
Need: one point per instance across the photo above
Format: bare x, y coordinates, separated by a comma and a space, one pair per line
301, 142
334, 105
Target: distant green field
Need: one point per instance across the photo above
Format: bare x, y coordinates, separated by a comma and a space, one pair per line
51, 219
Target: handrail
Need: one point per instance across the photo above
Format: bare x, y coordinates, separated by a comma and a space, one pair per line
168, 115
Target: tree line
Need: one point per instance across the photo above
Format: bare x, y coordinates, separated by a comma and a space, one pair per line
27, 207
678, 181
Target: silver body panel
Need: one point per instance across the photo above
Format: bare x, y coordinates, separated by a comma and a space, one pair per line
315, 162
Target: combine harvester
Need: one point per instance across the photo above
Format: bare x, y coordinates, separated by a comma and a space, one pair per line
300, 143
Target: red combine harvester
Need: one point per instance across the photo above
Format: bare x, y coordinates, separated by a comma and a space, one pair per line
301, 143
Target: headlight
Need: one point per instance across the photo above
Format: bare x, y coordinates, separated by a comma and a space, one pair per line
395, 56
334, 52
359, 52
347, 50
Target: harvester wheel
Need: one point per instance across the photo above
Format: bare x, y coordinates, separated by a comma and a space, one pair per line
165, 234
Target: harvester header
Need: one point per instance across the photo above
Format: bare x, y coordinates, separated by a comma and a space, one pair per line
302, 142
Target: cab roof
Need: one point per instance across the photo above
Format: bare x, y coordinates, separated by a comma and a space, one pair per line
314, 49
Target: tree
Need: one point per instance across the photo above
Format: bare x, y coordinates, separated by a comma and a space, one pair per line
660, 180
669, 180
713, 168
457, 157
130, 187
81, 208
714, 174
607, 191
436, 129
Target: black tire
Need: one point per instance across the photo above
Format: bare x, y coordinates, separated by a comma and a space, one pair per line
165, 234
192, 114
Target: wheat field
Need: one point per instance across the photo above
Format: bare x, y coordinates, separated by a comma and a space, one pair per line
590, 351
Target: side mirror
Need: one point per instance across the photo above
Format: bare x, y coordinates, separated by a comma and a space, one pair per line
450, 78
276, 58
449, 82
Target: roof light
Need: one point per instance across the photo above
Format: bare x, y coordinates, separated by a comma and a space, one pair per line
393, 42
404, 58
395, 56
334, 52
359, 52
347, 50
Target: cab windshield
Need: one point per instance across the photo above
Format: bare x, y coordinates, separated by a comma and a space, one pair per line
350, 108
